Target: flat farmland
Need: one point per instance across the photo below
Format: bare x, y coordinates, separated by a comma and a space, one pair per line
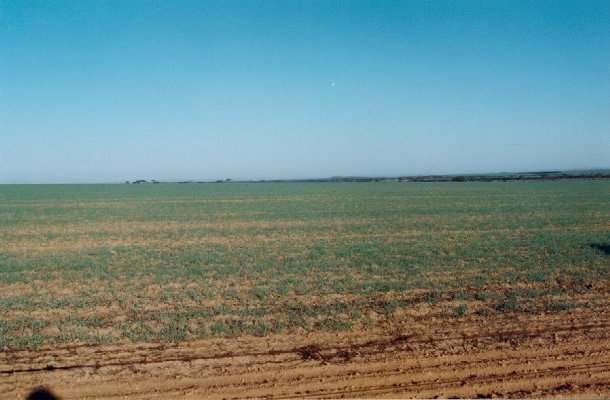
306, 289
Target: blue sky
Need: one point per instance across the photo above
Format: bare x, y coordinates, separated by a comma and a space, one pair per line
107, 91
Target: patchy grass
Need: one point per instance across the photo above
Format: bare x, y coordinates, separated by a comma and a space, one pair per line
108, 263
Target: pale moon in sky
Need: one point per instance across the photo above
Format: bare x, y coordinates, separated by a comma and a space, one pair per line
333, 84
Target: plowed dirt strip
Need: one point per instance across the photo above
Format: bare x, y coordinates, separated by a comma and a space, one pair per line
552, 355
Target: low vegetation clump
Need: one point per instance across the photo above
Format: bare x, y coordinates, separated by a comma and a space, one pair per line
102, 264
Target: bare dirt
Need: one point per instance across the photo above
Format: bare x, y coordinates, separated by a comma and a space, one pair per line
554, 355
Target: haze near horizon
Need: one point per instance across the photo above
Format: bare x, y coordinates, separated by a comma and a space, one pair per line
122, 90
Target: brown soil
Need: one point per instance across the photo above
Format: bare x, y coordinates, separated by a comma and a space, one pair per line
558, 355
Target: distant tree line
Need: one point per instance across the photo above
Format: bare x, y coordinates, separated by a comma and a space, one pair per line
503, 177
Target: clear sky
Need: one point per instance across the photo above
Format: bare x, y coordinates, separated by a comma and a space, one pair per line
108, 91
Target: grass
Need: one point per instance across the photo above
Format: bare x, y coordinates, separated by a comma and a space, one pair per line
106, 263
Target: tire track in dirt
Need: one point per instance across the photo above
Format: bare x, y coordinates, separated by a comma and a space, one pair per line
567, 354
316, 352
381, 373
571, 368
438, 384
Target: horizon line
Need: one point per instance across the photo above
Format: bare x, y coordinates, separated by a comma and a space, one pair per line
293, 179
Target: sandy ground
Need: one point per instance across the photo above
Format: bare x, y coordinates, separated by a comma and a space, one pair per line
558, 355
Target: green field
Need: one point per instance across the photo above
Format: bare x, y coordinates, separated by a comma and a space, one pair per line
114, 263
